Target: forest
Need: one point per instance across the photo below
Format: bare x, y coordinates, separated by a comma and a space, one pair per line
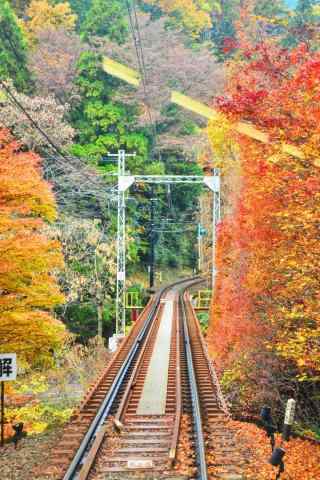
61, 114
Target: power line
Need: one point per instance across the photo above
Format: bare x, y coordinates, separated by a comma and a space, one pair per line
139, 37
134, 25
33, 122
67, 166
137, 40
72, 169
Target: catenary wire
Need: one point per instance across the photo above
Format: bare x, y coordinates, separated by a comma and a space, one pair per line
136, 36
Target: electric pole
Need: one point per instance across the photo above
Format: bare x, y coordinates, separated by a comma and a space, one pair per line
124, 183
153, 240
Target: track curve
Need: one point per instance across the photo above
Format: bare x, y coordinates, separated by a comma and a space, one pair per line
160, 374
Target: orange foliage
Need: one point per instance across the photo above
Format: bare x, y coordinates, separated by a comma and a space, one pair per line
265, 326
302, 458
28, 288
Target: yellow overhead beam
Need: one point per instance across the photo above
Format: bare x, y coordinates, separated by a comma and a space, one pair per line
292, 150
241, 127
194, 106
131, 76
121, 71
250, 131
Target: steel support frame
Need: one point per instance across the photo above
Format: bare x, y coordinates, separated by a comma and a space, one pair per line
121, 251
216, 218
124, 183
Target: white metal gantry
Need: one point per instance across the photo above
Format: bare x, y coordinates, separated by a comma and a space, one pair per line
124, 183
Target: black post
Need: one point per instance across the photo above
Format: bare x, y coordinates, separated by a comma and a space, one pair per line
267, 424
2, 414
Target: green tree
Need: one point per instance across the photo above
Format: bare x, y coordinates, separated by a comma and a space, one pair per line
81, 8
90, 271
13, 49
304, 25
104, 124
106, 18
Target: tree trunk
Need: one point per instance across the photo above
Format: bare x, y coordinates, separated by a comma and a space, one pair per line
100, 316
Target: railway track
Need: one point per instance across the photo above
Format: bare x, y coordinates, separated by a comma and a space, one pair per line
158, 393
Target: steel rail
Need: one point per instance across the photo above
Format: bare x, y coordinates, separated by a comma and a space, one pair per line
197, 417
220, 397
107, 403
93, 388
97, 428
95, 445
176, 428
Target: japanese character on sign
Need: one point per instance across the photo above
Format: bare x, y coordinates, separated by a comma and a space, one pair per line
8, 366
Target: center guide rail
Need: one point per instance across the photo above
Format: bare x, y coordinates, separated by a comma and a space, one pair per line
196, 408
83, 459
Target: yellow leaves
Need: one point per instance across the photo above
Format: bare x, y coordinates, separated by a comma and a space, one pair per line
193, 14
42, 14
28, 258
38, 416
225, 153
37, 384
301, 346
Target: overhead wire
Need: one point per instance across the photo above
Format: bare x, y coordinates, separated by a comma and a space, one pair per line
89, 176
137, 40
16, 102
139, 37
50, 142
67, 167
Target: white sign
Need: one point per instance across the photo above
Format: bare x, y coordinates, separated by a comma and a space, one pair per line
8, 366
140, 464
121, 276
213, 183
290, 411
125, 182
114, 341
